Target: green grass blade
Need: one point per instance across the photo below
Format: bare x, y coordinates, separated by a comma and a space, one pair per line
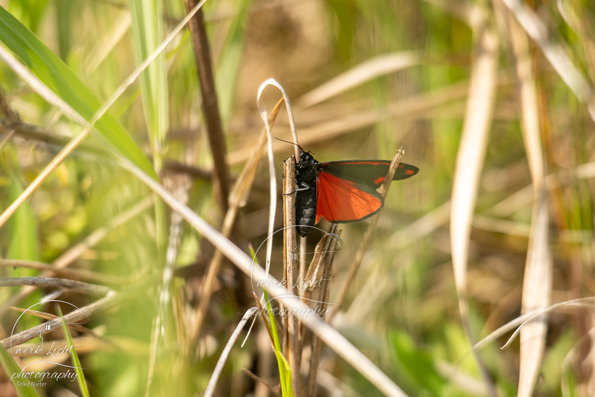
23, 242
284, 369
75, 358
57, 76
23, 385
147, 31
230, 62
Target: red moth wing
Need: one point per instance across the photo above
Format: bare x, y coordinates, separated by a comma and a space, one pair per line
367, 172
343, 200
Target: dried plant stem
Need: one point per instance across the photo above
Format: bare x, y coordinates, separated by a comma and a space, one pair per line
537, 282
70, 273
359, 256
290, 254
321, 303
210, 105
272, 388
223, 357
55, 283
470, 159
83, 314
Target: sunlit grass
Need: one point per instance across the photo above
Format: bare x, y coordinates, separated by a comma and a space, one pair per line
402, 309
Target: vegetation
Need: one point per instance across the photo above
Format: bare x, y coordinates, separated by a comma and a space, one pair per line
135, 179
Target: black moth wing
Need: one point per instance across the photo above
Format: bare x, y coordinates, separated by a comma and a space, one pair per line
366, 172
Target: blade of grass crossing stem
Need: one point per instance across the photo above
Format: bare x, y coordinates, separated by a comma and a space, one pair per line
57, 76
22, 385
75, 358
282, 363
230, 61
470, 159
147, 31
537, 283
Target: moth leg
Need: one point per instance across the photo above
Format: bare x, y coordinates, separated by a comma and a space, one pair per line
300, 189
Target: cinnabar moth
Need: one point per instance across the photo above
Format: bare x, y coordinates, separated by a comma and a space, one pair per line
340, 191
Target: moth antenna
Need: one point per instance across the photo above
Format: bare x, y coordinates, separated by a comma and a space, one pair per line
282, 140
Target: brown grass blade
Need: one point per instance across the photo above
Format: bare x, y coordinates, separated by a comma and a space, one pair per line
366, 71
537, 283
470, 159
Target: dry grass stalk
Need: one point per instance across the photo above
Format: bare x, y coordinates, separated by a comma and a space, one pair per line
47, 282
470, 159
366, 71
88, 275
276, 390
225, 354
537, 283
321, 302
290, 267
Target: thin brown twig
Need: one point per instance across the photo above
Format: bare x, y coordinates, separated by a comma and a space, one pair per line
70, 273
275, 389
82, 314
49, 316
55, 283
202, 54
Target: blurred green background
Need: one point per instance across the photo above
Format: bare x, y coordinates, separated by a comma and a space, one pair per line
402, 309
